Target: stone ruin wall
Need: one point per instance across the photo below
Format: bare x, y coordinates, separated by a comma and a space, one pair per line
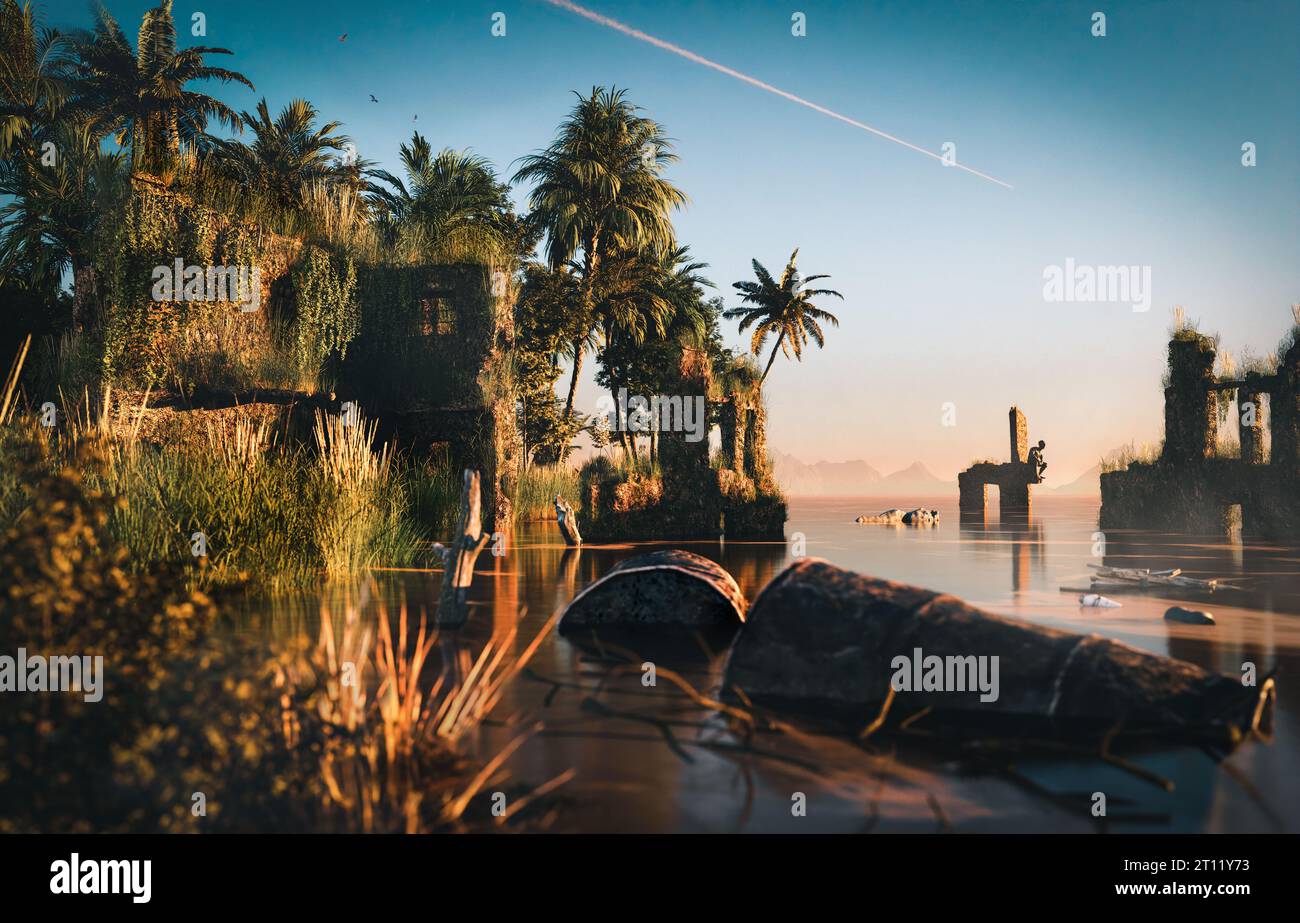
445, 393
432, 364
1013, 479
1188, 489
691, 499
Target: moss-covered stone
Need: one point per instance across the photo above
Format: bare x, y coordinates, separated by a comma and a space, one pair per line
1188, 489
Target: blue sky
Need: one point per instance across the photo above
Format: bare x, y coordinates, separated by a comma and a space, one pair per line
1123, 150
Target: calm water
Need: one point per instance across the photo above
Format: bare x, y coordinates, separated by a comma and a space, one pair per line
651, 759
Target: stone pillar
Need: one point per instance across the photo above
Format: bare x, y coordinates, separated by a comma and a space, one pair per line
1191, 411
972, 494
499, 440
1284, 413
756, 443
676, 453
731, 426
1250, 425
1019, 436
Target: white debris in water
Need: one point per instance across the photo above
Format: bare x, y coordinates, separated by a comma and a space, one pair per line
1100, 602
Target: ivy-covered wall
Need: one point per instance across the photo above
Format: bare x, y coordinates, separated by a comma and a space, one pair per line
325, 306
433, 360
157, 228
426, 350
427, 335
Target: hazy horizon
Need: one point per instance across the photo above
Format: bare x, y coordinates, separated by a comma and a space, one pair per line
800, 477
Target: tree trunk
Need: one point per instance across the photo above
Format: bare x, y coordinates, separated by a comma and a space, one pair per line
573, 379
775, 349
590, 263
85, 294
568, 521
461, 555
620, 425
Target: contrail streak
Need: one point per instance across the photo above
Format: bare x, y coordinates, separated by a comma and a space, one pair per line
754, 81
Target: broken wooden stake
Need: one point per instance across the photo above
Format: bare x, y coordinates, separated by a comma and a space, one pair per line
461, 555
568, 521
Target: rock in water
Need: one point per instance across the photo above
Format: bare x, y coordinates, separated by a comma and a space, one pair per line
663, 588
1188, 616
826, 640
896, 516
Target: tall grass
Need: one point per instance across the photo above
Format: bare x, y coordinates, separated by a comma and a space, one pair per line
621, 466
362, 733
535, 491
258, 511
73, 362
396, 766
367, 522
434, 488
1145, 453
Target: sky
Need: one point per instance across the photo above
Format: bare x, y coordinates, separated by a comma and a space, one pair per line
1121, 150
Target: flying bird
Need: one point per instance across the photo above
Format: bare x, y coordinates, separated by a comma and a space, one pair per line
372, 98
343, 37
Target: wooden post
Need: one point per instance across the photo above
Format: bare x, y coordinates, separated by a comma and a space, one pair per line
568, 521
464, 551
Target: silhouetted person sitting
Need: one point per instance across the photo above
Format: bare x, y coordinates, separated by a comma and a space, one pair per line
1036, 459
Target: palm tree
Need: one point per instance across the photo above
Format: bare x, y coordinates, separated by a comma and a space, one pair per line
286, 154
34, 66
784, 308
49, 226
646, 301
451, 202
139, 94
599, 190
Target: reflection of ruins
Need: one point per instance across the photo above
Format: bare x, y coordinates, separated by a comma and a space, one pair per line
1012, 479
1023, 539
1190, 488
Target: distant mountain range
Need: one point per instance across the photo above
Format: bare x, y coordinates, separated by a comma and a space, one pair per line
853, 479
859, 479
1087, 484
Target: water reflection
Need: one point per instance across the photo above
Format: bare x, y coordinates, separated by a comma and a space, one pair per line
1023, 538
653, 758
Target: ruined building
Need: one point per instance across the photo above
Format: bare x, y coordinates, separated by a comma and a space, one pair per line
1189, 488
423, 350
1013, 479
431, 361
688, 498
